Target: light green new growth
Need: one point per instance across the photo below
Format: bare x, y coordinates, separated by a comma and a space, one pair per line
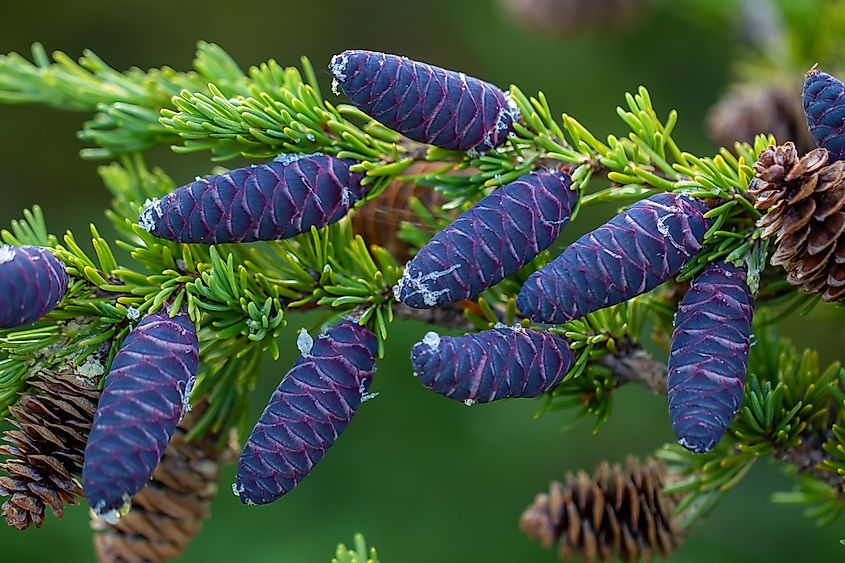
360, 554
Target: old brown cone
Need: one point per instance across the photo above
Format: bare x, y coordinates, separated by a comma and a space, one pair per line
169, 511
379, 220
564, 17
749, 109
46, 445
803, 200
614, 514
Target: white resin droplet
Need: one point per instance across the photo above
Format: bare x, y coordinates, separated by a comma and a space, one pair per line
432, 340
304, 342
338, 66
92, 368
150, 214
290, 157
7, 254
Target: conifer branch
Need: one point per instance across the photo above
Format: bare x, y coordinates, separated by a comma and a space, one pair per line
239, 297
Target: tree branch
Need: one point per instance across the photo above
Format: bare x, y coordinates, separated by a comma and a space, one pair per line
638, 366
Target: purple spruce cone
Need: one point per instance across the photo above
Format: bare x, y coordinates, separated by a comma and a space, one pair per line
489, 242
145, 395
272, 201
491, 365
32, 282
634, 252
824, 108
425, 103
310, 409
709, 356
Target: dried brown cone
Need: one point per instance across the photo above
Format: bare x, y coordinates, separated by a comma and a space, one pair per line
378, 221
803, 200
169, 512
614, 514
749, 109
44, 448
565, 17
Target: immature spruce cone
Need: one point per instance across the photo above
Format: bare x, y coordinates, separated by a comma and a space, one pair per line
308, 411
494, 364
634, 252
32, 282
492, 240
46, 446
803, 200
425, 103
169, 511
144, 397
272, 201
824, 106
709, 356
747, 110
615, 513
563, 17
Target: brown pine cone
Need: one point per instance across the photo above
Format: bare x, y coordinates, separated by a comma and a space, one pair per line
378, 221
616, 513
45, 448
564, 17
803, 201
168, 513
747, 110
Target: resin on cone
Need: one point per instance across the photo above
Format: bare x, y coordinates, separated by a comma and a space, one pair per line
495, 364
272, 201
824, 107
311, 407
635, 252
145, 394
709, 355
425, 103
32, 282
492, 240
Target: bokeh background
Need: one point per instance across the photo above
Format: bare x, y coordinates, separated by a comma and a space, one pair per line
425, 479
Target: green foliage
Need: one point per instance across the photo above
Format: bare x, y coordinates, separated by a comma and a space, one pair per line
239, 296
360, 553
786, 405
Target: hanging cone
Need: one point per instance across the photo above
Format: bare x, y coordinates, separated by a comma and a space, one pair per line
45, 448
747, 110
169, 512
615, 514
803, 201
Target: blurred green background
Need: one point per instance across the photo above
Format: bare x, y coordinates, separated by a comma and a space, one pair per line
424, 478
